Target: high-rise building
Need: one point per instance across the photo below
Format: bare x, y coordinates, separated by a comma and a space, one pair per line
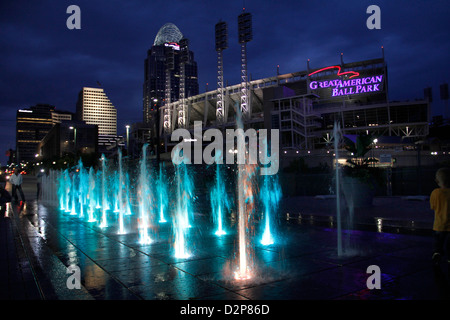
94, 107
32, 124
165, 58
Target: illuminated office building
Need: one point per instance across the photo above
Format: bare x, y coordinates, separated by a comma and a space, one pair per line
94, 107
32, 124
163, 69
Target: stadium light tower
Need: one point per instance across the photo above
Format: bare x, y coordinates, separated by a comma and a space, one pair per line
245, 35
221, 44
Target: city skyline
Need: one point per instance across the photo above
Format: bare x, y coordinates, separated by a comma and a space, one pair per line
44, 62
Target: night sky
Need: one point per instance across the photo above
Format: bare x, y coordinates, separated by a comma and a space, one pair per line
42, 61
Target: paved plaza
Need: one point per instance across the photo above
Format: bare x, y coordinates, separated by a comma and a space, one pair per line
38, 243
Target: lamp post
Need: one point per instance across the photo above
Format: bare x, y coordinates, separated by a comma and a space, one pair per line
74, 138
128, 137
374, 146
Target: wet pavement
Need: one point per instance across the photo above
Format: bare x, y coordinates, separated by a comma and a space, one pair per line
39, 243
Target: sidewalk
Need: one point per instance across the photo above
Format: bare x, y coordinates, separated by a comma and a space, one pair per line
39, 243
17, 280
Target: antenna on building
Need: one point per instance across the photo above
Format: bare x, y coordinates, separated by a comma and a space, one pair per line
99, 84
342, 58
382, 51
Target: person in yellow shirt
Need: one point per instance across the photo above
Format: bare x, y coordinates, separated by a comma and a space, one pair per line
440, 203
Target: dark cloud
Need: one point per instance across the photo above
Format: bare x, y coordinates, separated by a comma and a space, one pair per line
44, 62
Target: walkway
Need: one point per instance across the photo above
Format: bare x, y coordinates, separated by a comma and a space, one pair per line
39, 243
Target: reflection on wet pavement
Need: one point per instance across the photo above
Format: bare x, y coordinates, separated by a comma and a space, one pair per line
302, 264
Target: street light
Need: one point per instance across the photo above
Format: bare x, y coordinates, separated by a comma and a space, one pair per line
128, 136
374, 145
74, 137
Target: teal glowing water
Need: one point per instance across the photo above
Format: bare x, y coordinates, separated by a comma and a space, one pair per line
183, 212
270, 195
92, 199
120, 195
144, 199
220, 203
108, 198
161, 193
104, 197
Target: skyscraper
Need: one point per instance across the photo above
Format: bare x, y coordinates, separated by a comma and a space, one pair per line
32, 124
164, 58
94, 107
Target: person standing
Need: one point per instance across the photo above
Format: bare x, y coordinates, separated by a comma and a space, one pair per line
39, 178
440, 203
16, 182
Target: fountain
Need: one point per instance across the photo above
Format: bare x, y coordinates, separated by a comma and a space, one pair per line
219, 201
80, 190
183, 211
161, 191
84, 184
144, 198
120, 195
337, 136
73, 191
68, 188
245, 202
61, 190
91, 195
128, 211
105, 205
100, 191
270, 195
343, 247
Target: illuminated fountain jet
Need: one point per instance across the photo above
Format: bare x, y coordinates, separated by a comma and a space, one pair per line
183, 210
270, 195
120, 199
92, 198
161, 193
105, 206
67, 188
83, 187
144, 199
219, 200
246, 206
